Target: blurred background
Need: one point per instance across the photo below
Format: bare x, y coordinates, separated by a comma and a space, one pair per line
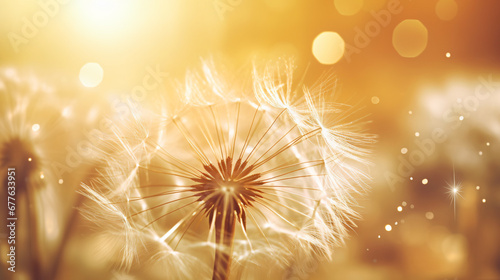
425, 73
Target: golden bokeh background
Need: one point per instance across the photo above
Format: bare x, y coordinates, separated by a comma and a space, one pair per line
425, 73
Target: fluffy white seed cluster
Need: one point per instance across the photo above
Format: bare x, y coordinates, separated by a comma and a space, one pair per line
246, 165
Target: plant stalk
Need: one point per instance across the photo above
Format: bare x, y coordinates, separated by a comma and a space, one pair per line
224, 236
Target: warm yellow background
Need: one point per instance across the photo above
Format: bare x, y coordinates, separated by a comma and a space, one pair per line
125, 37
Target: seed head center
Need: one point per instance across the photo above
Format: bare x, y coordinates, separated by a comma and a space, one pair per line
227, 187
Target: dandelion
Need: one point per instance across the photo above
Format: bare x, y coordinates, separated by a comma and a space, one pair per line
32, 121
22, 146
256, 175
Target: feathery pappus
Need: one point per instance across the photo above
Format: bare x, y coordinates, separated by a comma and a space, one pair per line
238, 179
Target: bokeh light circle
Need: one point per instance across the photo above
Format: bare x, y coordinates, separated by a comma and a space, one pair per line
446, 9
348, 7
328, 47
35, 127
91, 74
409, 38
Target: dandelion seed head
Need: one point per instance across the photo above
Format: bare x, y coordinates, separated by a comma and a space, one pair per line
268, 176
13, 153
25, 105
30, 112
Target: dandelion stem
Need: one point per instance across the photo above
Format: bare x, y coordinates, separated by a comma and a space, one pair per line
224, 235
33, 233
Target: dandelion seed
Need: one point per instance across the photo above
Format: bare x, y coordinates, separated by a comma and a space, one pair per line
251, 174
